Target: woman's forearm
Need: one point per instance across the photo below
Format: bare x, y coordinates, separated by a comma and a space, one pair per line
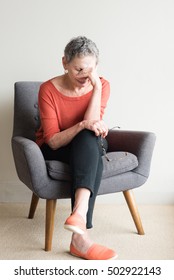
94, 107
64, 137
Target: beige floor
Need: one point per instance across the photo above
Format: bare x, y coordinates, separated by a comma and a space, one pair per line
21, 238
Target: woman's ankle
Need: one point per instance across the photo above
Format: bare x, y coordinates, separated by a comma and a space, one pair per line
81, 242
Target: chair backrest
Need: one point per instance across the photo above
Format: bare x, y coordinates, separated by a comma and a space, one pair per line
26, 113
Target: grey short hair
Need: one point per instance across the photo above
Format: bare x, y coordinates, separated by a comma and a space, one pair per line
80, 46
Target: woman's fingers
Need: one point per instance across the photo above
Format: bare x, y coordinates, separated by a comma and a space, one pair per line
101, 128
98, 127
91, 74
84, 72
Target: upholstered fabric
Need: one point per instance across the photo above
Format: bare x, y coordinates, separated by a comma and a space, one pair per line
58, 170
119, 162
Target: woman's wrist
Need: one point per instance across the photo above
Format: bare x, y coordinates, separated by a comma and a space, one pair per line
82, 125
97, 89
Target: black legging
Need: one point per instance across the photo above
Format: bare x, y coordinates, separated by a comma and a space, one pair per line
83, 154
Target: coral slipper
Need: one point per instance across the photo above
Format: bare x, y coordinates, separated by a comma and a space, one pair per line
95, 252
75, 223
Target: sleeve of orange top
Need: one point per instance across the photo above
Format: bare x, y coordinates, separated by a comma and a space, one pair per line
105, 96
48, 116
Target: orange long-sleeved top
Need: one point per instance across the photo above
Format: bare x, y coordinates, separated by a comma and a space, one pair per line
59, 112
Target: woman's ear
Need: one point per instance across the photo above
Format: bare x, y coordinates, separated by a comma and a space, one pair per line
64, 63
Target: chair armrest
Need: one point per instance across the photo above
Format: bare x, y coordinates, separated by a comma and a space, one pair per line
139, 143
29, 162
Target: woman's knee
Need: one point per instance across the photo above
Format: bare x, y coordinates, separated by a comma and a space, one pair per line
85, 139
86, 134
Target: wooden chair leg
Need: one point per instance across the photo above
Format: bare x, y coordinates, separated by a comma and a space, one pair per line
49, 226
129, 196
33, 206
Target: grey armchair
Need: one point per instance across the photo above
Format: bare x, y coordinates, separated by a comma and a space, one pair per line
130, 151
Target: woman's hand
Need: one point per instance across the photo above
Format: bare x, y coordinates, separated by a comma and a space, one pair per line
98, 127
92, 75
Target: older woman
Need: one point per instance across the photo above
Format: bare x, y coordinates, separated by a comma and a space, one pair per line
71, 111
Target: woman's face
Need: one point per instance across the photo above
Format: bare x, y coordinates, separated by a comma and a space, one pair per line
77, 66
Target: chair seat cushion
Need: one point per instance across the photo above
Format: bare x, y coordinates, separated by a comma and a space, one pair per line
120, 162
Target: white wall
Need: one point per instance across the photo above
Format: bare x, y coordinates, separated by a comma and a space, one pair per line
136, 42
